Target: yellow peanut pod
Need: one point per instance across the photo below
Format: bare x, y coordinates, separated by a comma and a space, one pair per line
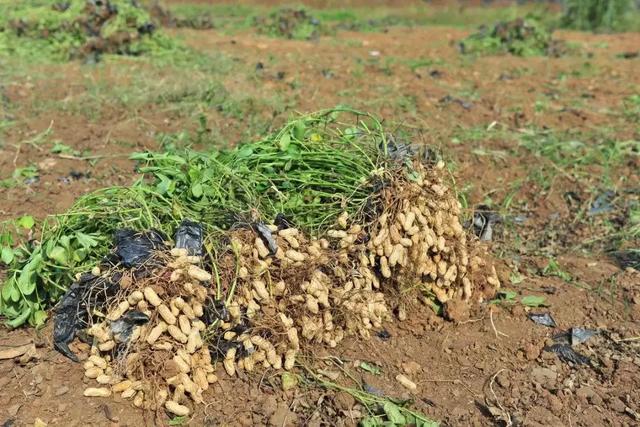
97, 392
122, 386
185, 325
166, 314
93, 372
128, 393
177, 334
182, 365
151, 296
176, 408
155, 333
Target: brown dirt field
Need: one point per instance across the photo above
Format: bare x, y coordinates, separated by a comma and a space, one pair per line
489, 369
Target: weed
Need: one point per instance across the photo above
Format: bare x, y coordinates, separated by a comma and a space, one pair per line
509, 297
297, 24
631, 108
415, 64
21, 176
607, 288
597, 15
571, 156
519, 37
177, 421
60, 148
541, 106
553, 269
381, 411
226, 17
408, 103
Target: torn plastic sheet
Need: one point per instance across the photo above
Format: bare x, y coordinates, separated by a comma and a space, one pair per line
602, 203
133, 248
400, 151
566, 353
576, 335
484, 220
373, 390
123, 327
543, 319
189, 236
267, 238
448, 99
282, 222
89, 293
627, 258
215, 310
72, 312
580, 335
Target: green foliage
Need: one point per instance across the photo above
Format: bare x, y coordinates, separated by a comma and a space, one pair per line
533, 301
225, 16
371, 368
177, 421
521, 37
576, 154
632, 108
291, 23
19, 176
59, 31
553, 269
507, 297
308, 170
394, 414
72, 242
316, 167
382, 411
597, 15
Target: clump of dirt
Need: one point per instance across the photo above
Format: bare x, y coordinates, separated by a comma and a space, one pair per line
76, 29
290, 23
520, 37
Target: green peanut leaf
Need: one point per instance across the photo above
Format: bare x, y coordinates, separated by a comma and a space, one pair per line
59, 255
26, 222
7, 255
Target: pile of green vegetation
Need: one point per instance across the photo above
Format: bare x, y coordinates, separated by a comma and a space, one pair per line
520, 37
76, 28
290, 23
597, 15
316, 167
196, 18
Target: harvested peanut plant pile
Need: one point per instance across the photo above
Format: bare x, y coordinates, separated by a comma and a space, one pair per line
318, 232
268, 293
